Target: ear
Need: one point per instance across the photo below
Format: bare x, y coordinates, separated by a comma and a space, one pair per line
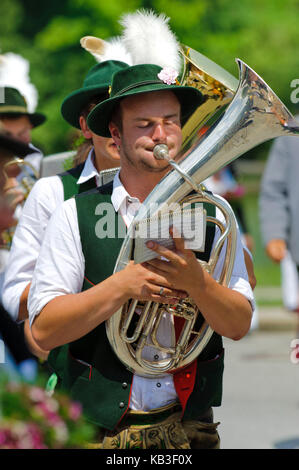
115, 134
84, 128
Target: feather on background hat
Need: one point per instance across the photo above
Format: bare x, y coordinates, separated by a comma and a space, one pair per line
20, 95
112, 49
111, 57
146, 39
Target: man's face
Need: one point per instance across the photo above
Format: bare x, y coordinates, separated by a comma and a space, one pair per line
104, 147
20, 128
107, 148
148, 119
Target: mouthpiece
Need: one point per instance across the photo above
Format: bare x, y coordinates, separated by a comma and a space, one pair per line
292, 126
161, 152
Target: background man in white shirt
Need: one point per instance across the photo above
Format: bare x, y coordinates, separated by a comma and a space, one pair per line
16, 352
18, 117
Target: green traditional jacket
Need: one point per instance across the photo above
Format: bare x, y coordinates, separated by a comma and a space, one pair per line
91, 372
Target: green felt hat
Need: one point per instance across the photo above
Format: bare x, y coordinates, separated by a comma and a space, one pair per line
15, 105
138, 79
96, 82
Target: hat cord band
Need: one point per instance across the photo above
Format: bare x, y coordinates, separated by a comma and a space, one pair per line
19, 109
131, 87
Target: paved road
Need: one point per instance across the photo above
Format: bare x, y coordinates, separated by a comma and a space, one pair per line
260, 407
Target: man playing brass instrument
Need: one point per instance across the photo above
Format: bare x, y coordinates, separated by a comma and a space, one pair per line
74, 290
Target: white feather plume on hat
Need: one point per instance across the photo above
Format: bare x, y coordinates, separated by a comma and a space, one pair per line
113, 49
149, 39
14, 73
146, 39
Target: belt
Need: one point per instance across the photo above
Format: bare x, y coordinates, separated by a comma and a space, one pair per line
143, 418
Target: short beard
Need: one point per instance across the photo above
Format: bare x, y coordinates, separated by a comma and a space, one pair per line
141, 165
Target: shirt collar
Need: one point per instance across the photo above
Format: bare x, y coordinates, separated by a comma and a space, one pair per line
89, 170
120, 195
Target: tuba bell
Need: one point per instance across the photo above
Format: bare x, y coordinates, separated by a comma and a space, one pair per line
253, 114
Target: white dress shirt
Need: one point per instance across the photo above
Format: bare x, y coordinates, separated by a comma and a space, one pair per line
47, 194
60, 271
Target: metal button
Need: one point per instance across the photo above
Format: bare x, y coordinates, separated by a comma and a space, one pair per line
124, 385
158, 384
156, 357
121, 405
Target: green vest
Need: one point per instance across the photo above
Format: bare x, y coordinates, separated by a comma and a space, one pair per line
69, 180
93, 374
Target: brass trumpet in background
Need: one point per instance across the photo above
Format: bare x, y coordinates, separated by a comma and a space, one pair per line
25, 185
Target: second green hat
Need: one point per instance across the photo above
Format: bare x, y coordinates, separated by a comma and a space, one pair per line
96, 82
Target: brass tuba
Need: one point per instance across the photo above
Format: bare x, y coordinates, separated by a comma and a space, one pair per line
25, 185
254, 114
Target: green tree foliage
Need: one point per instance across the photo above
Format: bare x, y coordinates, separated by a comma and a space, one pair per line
263, 34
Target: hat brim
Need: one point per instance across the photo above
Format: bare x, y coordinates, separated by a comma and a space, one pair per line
99, 118
13, 146
36, 119
73, 104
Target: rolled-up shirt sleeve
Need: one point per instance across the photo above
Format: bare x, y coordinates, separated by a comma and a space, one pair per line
239, 278
60, 265
45, 196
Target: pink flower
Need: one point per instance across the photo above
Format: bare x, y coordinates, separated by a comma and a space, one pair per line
36, 436
75, 411
51, 416
3, 436
36, 394
168, 75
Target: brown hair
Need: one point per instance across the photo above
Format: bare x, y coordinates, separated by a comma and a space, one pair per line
85, 147
116, 117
